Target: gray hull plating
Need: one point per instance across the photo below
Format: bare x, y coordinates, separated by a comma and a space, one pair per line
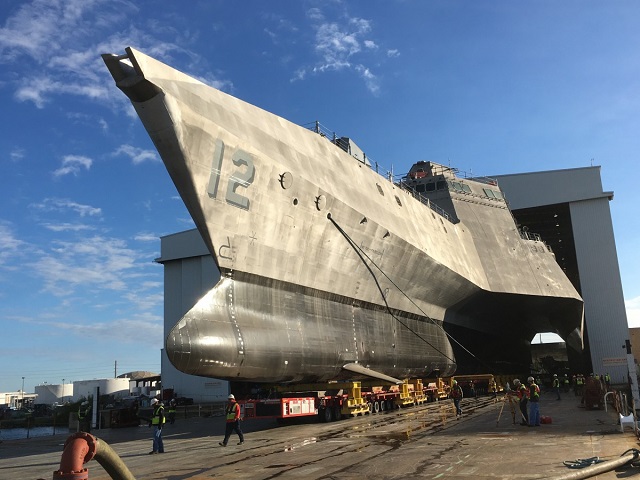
281, 333
324, 261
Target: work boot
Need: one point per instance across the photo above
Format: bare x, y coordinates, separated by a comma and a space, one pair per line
222, 444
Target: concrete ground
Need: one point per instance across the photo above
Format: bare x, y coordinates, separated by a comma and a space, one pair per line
418, 442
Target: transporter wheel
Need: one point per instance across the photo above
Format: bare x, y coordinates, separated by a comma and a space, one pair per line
376, 406
325, 414
389, 405
337, 412
383, 405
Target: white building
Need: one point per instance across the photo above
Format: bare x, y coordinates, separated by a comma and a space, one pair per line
83, 389
16, 399
50, 394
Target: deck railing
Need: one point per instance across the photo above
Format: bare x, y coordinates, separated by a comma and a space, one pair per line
397, 180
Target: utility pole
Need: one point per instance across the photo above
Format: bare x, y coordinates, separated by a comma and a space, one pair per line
115, 369
22, 392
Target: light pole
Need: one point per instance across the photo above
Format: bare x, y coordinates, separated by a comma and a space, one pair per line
22, 391
63, 391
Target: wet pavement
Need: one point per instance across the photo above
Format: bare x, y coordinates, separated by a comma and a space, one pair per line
418, 442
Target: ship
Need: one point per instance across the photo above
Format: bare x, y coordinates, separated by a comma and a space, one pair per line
330, 269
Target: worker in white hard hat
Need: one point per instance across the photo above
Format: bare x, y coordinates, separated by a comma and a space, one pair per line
157, 421
232, 411
523, 399
534, 399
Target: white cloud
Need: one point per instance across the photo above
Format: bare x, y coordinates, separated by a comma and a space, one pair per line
63, 205
10, 245
71, 164
369, 78
67, 227
127, 330
393, 53
17, 154
341, 45
50, 45
147, 237
104, 263
137, 155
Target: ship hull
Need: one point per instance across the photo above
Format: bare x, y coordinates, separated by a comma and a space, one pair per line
257, 329
338, 264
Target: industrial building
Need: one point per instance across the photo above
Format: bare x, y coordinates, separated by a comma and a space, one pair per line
570, 211
567, 208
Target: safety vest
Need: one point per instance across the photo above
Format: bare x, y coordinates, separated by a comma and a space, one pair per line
232, 411
556, 383
456, 391
534, 392
522, 392
579, 380
81, 413
155, 418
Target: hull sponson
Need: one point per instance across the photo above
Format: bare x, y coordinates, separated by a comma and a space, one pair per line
273, 200
284, 333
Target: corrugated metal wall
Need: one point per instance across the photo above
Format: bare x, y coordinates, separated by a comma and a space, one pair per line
605, 313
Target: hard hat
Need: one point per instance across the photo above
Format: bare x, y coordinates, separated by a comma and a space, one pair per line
154, 401
530, 379
231, 397
516, 382
555, 375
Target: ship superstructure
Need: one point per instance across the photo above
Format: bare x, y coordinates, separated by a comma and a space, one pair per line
328, 268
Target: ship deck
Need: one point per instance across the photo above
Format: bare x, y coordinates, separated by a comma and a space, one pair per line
416, 442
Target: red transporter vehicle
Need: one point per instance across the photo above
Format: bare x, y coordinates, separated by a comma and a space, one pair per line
336, 403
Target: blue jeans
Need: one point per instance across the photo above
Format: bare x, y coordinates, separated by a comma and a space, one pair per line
456, 402
158, 446
534, 414
231, 427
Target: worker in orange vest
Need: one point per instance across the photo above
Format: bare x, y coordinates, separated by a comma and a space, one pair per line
232, 411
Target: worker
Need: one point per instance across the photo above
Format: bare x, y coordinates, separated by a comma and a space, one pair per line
534, 406
172, 411
157, 421
556, 386
84, 417
607, 381
493, 387
456, 394
521, 392
579, 385
232, 411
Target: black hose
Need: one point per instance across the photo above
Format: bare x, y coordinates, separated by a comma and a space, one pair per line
627, 457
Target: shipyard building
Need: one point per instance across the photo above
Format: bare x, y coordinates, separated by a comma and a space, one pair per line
567, 208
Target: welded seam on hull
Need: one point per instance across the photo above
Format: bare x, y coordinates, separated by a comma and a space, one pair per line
321, 294
232, 315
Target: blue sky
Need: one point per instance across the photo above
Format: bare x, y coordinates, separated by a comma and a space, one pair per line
489, 87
